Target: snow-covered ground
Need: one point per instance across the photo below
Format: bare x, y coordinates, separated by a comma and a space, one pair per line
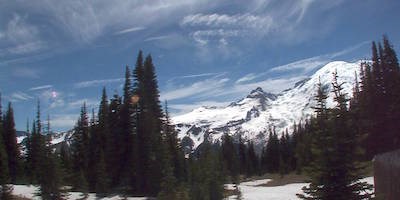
29, 192
251, 190
254, 190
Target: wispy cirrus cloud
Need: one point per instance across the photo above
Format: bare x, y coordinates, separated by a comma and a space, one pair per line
96, 83
86, 21
42, 87
307, 65
274, 85
90, 103
129, 30
185, 108
196, 76
246, 78
162, 37
19, 96
20, 37
216, 20
261, 20
219, 86
196, 88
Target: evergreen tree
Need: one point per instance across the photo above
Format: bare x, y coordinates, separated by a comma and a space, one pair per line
380, 83
79, 147
271, 157
172, 164
101, 181
50, 176
43, 164
5, 190
335, 171
36, 150
206, 179
173, 147
242, 156
129, 121
103, 135
229, 156
65, 163
115, 140
284, 152
252, 161
10, 141
149, 128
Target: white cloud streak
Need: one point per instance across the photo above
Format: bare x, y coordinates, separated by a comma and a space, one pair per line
309, 64
20, 37
194, 89
196, 76
85, 21
129, 30
178, 109
90, 103
95, 83
246, 78
20, 96
42, 87
216, 20
162, 37
274, 85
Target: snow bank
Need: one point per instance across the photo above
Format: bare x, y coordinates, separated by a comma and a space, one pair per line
29, 192
252, 190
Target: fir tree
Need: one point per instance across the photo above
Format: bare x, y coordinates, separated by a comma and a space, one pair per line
229, 156
242, 156
80, 143
5, 189
335, 171
114, 151
10, 141
206, 179
252, 161
36, 150
101, 181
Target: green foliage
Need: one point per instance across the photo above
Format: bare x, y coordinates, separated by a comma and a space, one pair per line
335, 171
5, 189
380, 82
11, 146
230, 159
206, 177
101, 181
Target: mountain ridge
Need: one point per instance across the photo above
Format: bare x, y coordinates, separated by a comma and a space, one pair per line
252, 116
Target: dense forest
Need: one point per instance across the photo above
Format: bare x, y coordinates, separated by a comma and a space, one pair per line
129, 145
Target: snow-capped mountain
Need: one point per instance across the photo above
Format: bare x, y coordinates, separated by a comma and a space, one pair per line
254, 115
56, 139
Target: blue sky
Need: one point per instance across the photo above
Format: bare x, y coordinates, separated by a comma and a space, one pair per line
206, 52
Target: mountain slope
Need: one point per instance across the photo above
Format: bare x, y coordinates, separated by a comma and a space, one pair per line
259, 111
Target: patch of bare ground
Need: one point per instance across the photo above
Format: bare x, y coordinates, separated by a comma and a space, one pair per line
279, 180
14, 197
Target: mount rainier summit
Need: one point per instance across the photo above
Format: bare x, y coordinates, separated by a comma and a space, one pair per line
252, 116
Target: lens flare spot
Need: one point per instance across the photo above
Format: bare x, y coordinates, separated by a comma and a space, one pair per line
54, 94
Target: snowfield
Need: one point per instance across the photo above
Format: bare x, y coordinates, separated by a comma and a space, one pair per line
251, 190
254, 190
29, 192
